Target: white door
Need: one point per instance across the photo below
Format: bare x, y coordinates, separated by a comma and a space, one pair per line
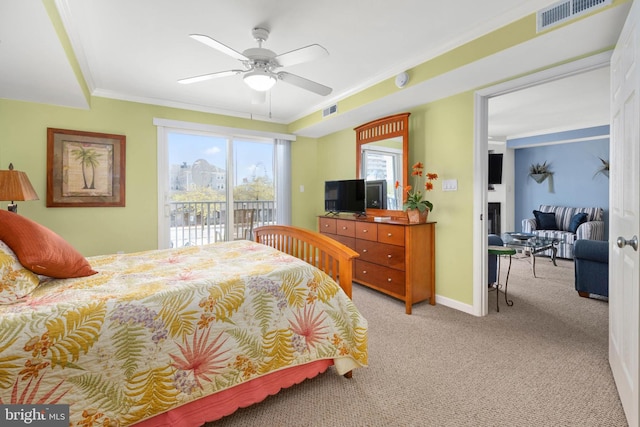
624, 216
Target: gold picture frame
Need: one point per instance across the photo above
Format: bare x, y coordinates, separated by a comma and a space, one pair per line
85, 169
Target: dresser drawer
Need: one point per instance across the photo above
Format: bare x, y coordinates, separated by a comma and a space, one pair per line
385, 278
345, 240
391, 234
346, 228
381, 253
328, 225
395, 258
367, 231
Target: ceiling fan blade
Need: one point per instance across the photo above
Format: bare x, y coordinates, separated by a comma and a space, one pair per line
304, 54
209, 76
219, 46
303, 83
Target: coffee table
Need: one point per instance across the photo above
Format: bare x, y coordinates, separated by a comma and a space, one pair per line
531, 244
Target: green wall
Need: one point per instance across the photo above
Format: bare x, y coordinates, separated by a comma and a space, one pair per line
314, 162
440, 136
304, 172
93, 231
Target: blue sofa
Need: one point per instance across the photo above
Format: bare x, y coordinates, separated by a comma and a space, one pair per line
591, 263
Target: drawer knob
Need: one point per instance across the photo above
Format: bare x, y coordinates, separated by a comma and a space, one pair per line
364, 251
389, 279
326, 225
344, 228
365, 230
389, 256
388, 234
364, 271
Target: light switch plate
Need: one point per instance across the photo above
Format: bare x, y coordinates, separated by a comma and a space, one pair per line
450, 185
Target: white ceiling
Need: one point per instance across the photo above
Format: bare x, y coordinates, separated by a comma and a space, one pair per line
575, 102
137, 50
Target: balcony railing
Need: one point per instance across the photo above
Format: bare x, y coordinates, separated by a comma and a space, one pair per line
200, 223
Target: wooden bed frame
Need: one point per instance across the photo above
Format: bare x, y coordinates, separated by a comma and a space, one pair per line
324, 253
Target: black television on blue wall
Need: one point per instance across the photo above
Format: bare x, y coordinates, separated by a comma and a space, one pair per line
346, 195
495, 168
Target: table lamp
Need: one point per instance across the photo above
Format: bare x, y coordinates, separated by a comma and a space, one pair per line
15, 186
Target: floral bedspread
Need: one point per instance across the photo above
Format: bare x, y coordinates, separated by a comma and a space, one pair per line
154, 330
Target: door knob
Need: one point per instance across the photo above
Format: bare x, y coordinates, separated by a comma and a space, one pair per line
622, 242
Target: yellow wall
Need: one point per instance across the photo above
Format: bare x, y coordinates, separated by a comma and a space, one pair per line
441, 136
93, 231
500, 39
304, 172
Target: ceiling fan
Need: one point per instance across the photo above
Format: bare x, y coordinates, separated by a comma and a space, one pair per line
260, 64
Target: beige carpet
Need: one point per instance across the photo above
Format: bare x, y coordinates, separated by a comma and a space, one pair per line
541, 362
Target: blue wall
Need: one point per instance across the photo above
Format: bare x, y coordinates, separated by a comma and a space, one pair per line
574, 166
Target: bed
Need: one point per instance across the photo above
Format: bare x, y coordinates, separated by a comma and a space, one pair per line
176, 337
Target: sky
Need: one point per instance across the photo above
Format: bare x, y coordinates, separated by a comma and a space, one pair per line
251, 156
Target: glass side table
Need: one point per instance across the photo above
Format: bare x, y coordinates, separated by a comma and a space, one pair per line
531, 244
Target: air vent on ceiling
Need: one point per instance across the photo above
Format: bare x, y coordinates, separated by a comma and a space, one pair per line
566, 10
330, 110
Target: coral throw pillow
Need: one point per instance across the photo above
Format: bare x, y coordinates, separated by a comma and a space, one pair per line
16, 282
40, 249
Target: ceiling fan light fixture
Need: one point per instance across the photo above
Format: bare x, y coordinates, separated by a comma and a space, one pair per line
259, 80
260, 64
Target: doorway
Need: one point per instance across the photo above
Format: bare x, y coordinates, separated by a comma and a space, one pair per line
481, 137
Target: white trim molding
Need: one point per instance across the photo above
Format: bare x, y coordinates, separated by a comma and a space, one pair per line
223, 130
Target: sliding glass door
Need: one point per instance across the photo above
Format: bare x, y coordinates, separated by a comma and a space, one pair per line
218, 183
219, 188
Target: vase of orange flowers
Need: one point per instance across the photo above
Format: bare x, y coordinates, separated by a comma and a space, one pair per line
416, 205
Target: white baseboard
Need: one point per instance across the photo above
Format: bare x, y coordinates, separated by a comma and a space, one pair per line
457, 305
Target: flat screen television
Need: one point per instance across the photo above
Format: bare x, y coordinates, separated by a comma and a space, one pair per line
376, 194
347, 195
495, 168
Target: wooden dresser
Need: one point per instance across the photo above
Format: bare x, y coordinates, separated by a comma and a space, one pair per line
396, 258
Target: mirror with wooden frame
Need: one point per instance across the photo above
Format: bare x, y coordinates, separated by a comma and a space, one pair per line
382, 159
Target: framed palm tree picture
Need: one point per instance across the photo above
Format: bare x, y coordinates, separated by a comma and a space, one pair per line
85, 169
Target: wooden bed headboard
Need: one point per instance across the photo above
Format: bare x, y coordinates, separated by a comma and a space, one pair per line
329, 255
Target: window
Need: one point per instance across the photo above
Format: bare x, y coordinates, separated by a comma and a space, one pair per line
207, 175
382, 163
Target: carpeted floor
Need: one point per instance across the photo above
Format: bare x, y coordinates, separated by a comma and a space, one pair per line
541, 362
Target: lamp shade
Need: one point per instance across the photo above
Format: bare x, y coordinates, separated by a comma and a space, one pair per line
15, 186
259, 80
